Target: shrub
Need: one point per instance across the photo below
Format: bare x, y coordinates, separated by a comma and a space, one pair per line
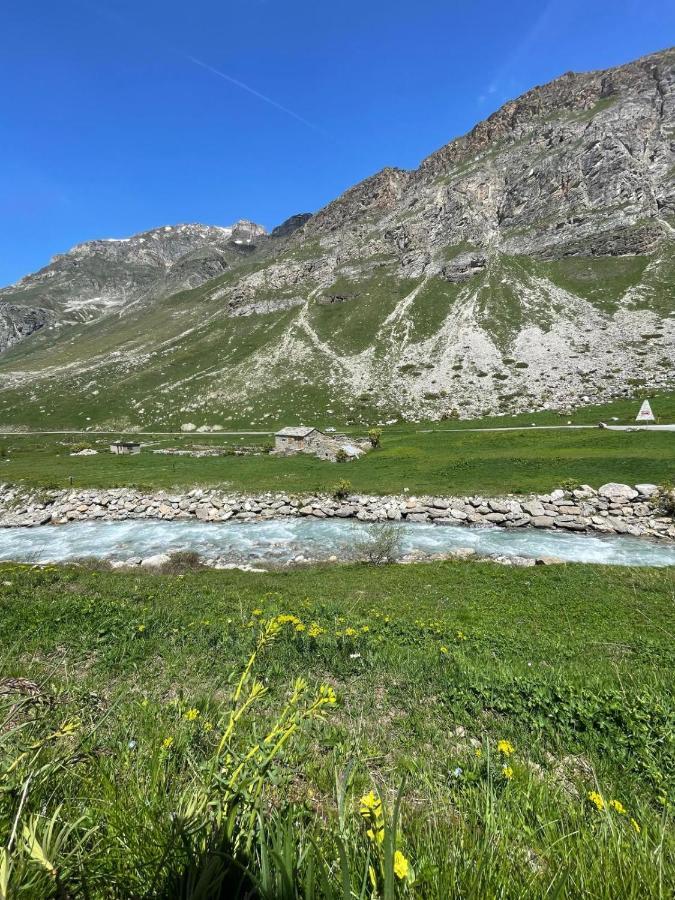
341, 456
182, 561
450, 414
268, 446
664, 499
342, 489
381, 545
375, 436
570, 484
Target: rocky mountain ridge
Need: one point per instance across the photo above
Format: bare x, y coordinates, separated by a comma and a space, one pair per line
98, 276
526, 265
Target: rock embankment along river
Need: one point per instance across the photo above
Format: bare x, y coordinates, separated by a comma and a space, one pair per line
612, 509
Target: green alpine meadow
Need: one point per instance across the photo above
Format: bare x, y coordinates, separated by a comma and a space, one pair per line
337, 547
431, 730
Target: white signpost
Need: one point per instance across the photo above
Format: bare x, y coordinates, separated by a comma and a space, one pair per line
645, 414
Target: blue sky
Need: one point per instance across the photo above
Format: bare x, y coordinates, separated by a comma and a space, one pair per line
121, 115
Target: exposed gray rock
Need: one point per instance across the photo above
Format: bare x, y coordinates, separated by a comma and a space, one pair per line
617, 492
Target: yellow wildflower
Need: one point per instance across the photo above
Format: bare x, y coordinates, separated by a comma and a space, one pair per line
192, 714
596, 799
370, 805
315, 630
167, 743
618, 807
66, 729
507, 772
327, 694
140, 628
478, 752
207, 726
300, 627
365, 628
401, 865
350, 632
444, 650
506, 747
257, 612
460, 635
636, 826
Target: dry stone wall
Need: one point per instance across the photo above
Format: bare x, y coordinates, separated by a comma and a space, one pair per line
612, 509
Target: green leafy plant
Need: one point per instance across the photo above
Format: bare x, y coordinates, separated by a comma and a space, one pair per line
375, 437
664, 499
382, 544
342, 489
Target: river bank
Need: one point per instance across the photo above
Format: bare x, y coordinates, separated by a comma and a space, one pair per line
612, 509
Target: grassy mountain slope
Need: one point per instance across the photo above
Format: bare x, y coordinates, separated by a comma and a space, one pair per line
528, 265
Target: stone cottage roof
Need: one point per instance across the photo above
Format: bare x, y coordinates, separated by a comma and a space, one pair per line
301, 432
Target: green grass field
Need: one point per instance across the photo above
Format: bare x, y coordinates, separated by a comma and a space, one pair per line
436, 460
131, 767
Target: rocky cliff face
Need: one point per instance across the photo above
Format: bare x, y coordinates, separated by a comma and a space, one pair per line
103, 275
527, 264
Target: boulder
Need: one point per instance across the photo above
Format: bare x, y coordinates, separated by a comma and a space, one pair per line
533, 507
617, 492
646, 490
542, 521
156, 561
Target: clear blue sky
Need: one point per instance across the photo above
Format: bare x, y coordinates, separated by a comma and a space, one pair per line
114, 117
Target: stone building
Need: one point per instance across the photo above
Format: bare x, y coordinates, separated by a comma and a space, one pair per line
125, 448
305, 439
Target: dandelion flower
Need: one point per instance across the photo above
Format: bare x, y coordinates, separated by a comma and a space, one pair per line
596, 799
401, 865
192, 714
507, 772
167, 743
618, 807
506, 747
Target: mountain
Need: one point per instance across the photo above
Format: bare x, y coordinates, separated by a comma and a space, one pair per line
527, 264
109, 275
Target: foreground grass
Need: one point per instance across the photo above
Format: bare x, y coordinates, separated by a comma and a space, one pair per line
440, 461
130, 690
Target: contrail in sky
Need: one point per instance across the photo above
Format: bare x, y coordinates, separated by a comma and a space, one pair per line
250, 90
108, 14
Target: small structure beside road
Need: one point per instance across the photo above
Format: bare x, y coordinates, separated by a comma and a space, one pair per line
125, 448
307, 439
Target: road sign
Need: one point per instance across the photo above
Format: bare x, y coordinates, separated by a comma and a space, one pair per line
645, 414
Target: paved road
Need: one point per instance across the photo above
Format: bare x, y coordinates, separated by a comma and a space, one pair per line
419, 431
551, 428
138, 433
